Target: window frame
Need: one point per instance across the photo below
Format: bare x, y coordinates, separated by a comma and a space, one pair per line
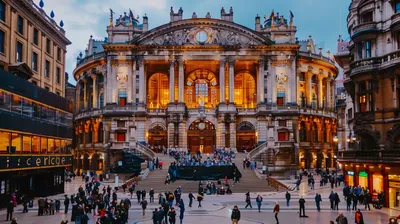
3, 12
20, 25
34, 63
48, 46
2, 41
58, 75
19, 55
368, 48
47, 68
35, 36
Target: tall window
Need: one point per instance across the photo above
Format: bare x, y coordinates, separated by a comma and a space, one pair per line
303, 132
360, 50
48, 46
245, 90
47, 69
35, 36
363, 103
201, 91
58, 53
34, 61
122, 97
20, 24
58, 71
397, 7
2, 41
4, 142
158, 90
2, 11
19, 52
280, 100
368, 49
302, 77
367, 17
101, 100
120, 136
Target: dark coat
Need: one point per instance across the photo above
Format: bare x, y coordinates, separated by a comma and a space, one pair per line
235, 214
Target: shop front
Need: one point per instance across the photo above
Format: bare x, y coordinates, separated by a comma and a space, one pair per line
349, 178
363, 179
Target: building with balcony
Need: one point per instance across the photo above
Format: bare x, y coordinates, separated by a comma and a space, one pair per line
372, 81
202, 82
35, 139
32, 44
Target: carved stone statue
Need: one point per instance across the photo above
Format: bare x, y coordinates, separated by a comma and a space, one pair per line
172, 10
231, 10
194, 16
208, 15
111, 17
222, 10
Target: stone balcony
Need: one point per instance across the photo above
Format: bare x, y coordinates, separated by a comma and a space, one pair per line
375, 63
364, 27
112, 109
247, 111
156, 111
395, 21
119, 145
370, 156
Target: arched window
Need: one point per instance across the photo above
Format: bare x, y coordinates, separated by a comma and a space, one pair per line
314, 79
201, 89
158, 91
303, 132
100, 133
315, 129
245, 90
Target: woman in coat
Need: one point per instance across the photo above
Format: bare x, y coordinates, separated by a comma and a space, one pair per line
235, 216
359, 217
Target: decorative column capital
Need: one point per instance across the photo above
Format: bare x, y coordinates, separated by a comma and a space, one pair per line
93, 76
231, 61
180, 61
171, 62
222, 61
261, 61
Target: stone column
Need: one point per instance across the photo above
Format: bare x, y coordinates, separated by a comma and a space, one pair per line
320, 92
84, 94
231, 63
133, 81
328, 93
222, 80
107, 83
141, 82
180, 81
171, 134
94, 99
309, 87
221, 134
260, 81
182, 135
171, 81
273, 86
232, 130
78, 96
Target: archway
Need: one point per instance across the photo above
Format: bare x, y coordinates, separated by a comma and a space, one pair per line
201, 136
245, 136
157, 135
201, 89
245, 90
158, 91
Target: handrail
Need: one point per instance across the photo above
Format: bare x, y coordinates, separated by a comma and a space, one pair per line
145, 150
277, 185
253, 153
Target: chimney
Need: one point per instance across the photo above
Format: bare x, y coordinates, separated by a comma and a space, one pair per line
258, 25
145, 23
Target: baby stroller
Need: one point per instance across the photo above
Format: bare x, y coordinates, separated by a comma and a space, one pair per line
376, 203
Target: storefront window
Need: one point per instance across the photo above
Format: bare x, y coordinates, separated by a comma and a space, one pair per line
377, 182
363, 179
57, 145
16, 104
350, 178
43, 145
15, 143
5, 101
36, 110
68, 144
27, 109
26, 149
50, 150
4, 142
51, 114
36, 144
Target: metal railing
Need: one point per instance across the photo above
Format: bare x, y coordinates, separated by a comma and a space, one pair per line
144, 150
92, 57
258, 150
374, 156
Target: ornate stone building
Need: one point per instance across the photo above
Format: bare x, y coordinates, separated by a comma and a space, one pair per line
372, 81
199, 82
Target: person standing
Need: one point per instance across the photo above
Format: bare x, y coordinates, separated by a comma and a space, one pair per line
302, 203
276, 211
337, 200
348, 202
287, 198
366, 201
191, 197
332, 200
355, 201
172, 216
151, 194
359, 217
143, 203
235, 216
138, 194
10, 210
318, 201
259, 202
182, 210
66, 204
165, 210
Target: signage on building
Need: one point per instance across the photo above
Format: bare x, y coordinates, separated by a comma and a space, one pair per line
394, 184
350, 173
363, 174
15, 162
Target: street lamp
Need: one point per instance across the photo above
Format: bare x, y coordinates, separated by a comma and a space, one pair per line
353, 137
336, 140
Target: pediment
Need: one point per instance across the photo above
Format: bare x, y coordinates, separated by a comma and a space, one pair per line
202, 32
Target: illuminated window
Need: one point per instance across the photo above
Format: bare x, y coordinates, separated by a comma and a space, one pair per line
26, 140
201, 88
245, 90
4, 142
16, 143
57, 146
283, 136
35, 144
158, 91
43, 145
51, 146
363, 103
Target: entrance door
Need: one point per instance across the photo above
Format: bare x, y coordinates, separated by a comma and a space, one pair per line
157, 136
245, 136
201, 136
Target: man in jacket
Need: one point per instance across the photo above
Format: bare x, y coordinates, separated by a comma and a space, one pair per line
337, 200
10, 210
318, 201
302, 203
166, 208
332, 200
341, 219
41, 206
235, 216
287, 198
138, 194
276, 211
66, 204
151, 194
191, 197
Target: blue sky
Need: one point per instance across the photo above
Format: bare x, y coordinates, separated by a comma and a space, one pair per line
322, 19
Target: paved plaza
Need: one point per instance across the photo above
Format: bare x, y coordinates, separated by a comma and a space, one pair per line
217, 209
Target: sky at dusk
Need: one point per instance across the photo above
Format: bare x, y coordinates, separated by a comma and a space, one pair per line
324, 20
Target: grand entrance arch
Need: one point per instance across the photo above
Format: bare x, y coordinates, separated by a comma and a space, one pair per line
158, 134
245, 136
201, 136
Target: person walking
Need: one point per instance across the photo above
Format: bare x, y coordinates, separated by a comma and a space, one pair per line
143, 203
332, 200
276, 211
235, 216
287, 198
348, 202
151, 194
259, 202
10, 210
66, 204
166, 208
302, 203
52, 207
318, 201
341, 219
199, 199
138, 194
355, 201
182, 210
359, 217
337, 200
191, 197
172, 216
248, 200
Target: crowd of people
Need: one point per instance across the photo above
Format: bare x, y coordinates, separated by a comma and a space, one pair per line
219, 157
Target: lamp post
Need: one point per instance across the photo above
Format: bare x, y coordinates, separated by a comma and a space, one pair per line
336, 140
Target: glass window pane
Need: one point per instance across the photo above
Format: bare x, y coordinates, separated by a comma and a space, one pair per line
4, 142
43, 145
16, 143
27, 109
5, 100
57, 145
16, 104
51, 146
51, 114
26, 149
68, 144
35, 144
36, 110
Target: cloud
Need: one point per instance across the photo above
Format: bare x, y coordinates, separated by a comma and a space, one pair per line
83, 18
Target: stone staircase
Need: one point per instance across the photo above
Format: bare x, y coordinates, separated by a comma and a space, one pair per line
249, 181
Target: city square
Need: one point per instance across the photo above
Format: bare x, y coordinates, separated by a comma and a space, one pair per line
175, 111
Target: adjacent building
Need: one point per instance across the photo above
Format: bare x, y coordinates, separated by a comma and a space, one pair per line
372, 82
200, 82
35, 119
